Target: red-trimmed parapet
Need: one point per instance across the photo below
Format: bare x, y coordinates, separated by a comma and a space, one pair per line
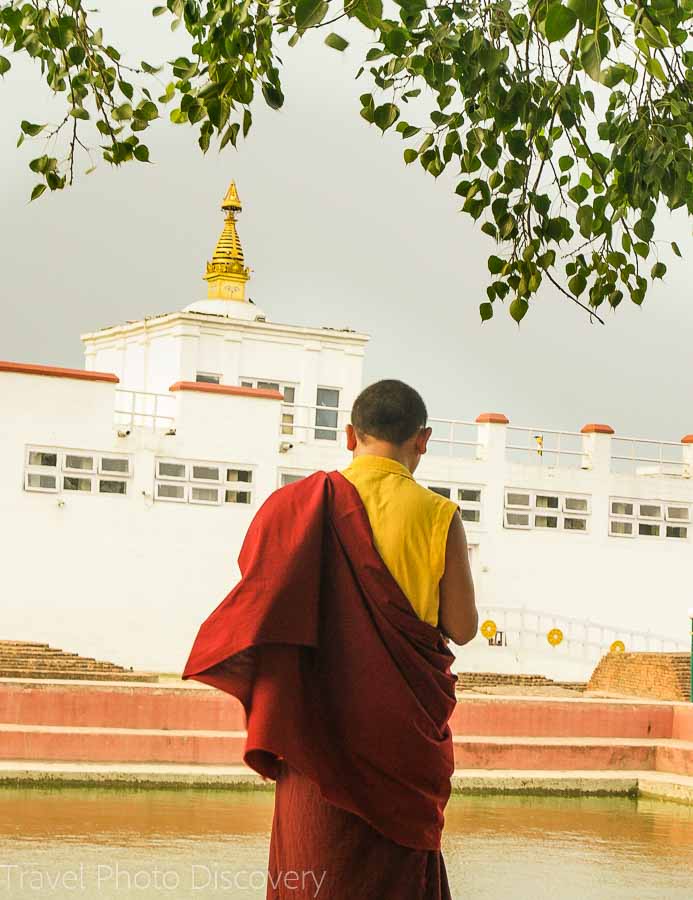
687, 439
57, 372
228, 389
596, 428
492, 419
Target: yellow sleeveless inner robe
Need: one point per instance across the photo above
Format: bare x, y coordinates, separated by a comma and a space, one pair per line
410, 527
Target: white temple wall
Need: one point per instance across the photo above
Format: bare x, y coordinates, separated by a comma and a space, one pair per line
130, 578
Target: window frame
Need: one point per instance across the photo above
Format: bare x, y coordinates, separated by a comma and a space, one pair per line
559, 512
60, 471
208, 377
334, 439
663, 521
189, 483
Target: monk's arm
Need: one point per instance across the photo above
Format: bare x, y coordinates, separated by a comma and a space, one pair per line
458, 616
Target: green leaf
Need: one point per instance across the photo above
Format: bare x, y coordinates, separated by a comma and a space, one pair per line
79, 112
559, 22
518, 309
368, 12
675, 248
141, 153
122, 113
593, 48
274, 98
159, 10
37, 191
385, 116
585, 10
654, 67
565, 163
644, 229
410, 155
336, 42
659, 270
486, 311
5, 65
310, 12
76, 55
495, 265
31, 129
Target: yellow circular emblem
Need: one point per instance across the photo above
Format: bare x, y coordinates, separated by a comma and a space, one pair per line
617, 647
488, 629
555, 637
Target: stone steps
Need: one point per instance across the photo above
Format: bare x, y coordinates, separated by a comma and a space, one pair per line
140, 745
160, 706
28, 659
123, 725
469, 681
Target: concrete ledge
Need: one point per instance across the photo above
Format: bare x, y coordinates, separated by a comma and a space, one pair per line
570, 784
133, 776
128, 775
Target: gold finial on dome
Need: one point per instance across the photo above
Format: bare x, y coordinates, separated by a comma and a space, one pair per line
227, 273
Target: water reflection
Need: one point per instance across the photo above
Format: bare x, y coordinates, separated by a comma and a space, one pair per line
180, 844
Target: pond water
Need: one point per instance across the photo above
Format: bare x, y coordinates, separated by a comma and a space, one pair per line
121, 844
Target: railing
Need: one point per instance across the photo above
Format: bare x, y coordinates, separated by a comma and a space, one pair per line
303, 423
454, 437
545, 447
300, 424
142, 409
525, 628
640, 456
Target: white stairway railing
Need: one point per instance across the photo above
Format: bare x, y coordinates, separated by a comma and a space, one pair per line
524, 628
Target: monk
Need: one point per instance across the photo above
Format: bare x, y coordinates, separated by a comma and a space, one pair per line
335, 641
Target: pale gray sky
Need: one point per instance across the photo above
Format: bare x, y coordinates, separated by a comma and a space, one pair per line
338, 232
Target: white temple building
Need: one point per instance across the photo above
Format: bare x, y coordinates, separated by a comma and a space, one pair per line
127, 487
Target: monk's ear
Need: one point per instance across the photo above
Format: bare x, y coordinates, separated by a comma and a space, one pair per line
422, 439
351, 437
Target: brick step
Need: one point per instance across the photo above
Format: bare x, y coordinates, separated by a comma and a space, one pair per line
35, 742
77, 674
28, 659
226, 747
5, 643
60, 663
568, 754
471, 680
144, 706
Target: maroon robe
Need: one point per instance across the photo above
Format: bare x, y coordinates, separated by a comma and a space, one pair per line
347, 695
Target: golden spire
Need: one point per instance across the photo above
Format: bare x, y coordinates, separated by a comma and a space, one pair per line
227, 273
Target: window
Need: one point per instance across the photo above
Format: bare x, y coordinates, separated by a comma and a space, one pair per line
553, 512
289, 393
327, 414
109, 486
468, 499
648, 518
115, 465
204, 483
469, 502
72, 483
205, 473
35, 481
620, 528
170, 470
514, 499
170, 492
205, 495
50, 469
76, 463
291, 476
208, 378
